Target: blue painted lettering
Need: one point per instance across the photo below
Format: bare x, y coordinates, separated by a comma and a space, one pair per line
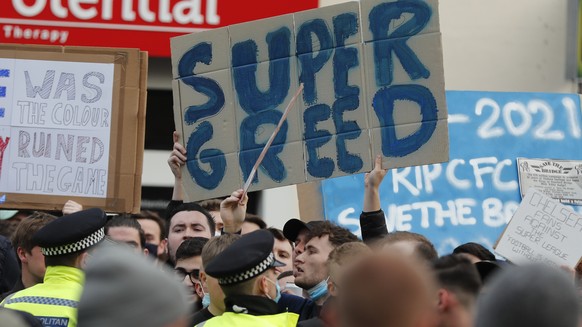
380, 18
384, 106
314, 139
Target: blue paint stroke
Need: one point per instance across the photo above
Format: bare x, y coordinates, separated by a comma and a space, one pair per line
2, 111
344, 26
344, 59
310, 64
200, 53
4, 72
380, 18
2, 198
347, 162
244, 61
315, 139
383, 104
214, 157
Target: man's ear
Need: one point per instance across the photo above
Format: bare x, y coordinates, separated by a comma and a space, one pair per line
444, 300
146, 251
199, 290
331, 289
164, 245
21, 254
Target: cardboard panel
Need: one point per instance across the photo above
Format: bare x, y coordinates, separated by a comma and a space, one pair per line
406, 89
394, 19
205, 109
211, 176
262, 40
328, 27
338, 155
405, 145
198, 45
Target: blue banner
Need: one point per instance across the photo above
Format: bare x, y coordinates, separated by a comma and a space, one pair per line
473, 196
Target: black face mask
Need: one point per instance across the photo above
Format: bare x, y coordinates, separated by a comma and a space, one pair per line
153, 249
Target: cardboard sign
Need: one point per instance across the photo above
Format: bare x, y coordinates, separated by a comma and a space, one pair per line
474, 195
61, 136
542, 230
373, 83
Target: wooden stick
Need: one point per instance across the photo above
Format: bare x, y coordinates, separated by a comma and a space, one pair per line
268, 144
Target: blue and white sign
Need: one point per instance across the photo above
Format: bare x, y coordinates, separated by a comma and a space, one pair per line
474, 195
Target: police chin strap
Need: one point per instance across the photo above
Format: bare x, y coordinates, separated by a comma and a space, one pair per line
318, 291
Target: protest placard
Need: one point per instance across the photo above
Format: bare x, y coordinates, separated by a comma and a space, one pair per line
72, 126
559, 179
542, 230
373, 83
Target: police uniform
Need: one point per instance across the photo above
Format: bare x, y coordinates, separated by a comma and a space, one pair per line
55, 301
245, 259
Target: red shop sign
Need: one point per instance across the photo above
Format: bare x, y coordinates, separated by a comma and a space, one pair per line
144, 24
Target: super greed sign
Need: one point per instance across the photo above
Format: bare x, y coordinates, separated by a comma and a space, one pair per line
144, 24
473, 196
373, 83
55, 120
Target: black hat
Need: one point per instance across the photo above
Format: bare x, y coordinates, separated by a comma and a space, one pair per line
244, 259
71, 233
294, 226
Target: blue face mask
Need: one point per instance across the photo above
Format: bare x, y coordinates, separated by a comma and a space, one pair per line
278, 288
318, 291
206, 300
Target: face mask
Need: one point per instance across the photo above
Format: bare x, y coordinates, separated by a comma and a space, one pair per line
278, 288
318, 291
205, 298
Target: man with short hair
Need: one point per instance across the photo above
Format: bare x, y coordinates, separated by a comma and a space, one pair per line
185, 221
409, 243
154, 228
213, 297
459, 285
387, 289
65, 243
28, 252
312, 271
245, 273
188, 265
283, 250
126, 230
340, 259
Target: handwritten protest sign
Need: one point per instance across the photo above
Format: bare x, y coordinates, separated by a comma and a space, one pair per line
542, 230
559, 179
373, 78
60, 127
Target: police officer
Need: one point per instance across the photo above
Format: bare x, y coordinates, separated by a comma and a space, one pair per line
64, 243
246, 274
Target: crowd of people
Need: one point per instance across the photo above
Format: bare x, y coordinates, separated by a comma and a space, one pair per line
213, 264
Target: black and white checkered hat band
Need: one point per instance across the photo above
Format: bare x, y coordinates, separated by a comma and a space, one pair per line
88, 241
253, 272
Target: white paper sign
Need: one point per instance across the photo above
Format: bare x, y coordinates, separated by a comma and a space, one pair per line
559, 179
55, 127
542, 230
